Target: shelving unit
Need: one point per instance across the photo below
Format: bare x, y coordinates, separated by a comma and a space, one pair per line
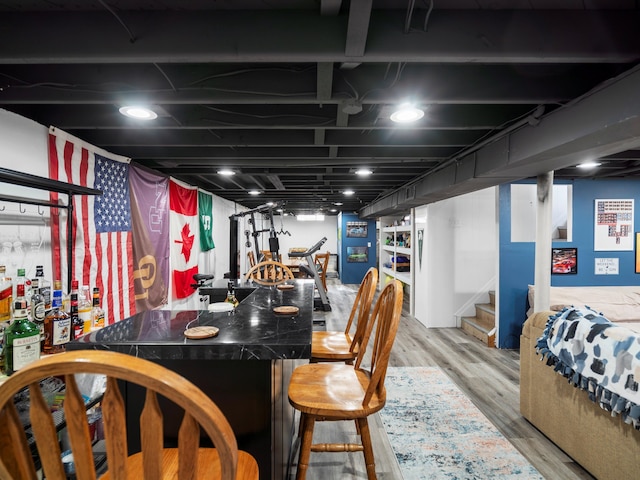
392, 227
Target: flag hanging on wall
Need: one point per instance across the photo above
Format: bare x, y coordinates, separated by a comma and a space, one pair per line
102, 253
185, 238
205, 212
150, 212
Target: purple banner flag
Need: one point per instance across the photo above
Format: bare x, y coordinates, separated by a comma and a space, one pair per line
150, 217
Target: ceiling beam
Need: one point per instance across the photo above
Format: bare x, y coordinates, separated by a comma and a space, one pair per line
454, 36
602, 122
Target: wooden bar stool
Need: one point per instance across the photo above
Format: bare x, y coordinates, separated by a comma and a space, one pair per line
336, 391
187, 462
269, 272
335, 346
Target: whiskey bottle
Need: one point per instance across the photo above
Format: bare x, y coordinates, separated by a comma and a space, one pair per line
84, 308
57, 326
97, 313
77, 325
36, 308
22, 338
45, 287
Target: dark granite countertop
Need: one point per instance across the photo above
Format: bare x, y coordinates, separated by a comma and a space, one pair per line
251, 332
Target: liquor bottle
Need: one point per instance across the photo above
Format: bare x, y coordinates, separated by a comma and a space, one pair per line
6, 295
231, 295
97, 313
57, 285
45, 287
21, 280
84, 308
57, 326
77, 326
36, 308
22, 338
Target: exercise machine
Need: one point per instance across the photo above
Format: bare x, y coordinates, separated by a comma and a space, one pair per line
322, 301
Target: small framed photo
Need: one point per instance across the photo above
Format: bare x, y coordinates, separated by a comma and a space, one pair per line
637, 252
357, 229
357, 254
564, 261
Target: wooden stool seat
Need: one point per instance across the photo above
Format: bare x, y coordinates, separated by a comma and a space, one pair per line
208, 465
333, 391
332, 346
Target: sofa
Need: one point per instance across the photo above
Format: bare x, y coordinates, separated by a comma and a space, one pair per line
601, 443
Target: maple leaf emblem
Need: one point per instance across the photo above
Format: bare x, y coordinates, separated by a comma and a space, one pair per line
187, 241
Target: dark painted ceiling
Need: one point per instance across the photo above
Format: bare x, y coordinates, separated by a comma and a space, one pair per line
294, 95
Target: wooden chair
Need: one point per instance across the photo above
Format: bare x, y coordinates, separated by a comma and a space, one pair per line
269, 272
336, 391
321, 261
252, 258
188, 461
336, 346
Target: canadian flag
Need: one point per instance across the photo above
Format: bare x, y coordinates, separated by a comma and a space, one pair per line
185, 238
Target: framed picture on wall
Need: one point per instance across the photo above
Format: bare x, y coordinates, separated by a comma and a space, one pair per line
637, 252
564, 261
357, 229
357, 254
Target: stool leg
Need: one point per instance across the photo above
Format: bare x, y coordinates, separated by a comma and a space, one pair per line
307, 422
365, 436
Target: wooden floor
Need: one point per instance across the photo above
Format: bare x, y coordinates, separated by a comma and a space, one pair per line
489, 377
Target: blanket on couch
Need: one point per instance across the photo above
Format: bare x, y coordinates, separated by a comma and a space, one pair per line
598, 356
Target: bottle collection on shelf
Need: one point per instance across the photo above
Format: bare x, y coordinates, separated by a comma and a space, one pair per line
35, 319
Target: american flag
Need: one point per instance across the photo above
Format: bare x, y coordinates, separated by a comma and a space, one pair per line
102, 244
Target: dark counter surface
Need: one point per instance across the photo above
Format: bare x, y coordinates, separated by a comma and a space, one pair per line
251, 332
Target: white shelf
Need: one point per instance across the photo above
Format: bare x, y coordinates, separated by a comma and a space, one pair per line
397, 250
397, 228
404, 277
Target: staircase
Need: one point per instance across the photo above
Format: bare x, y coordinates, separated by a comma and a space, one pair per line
482, 326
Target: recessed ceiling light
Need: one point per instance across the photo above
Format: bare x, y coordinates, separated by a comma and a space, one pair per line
139, 113
333, 210
254, 192
226, 172
407, 113
588, 165
348, 192
338, 203
364, 172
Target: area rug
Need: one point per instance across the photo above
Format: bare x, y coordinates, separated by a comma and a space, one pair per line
436, 432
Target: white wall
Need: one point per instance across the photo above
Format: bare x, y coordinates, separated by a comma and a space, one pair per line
24, 148
459, 258
302, 234
24, 233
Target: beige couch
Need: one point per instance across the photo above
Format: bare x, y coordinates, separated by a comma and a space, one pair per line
604, 445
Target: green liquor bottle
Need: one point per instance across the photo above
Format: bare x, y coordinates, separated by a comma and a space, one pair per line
22, 338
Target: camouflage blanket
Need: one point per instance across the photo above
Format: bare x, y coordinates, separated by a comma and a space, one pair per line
597, 356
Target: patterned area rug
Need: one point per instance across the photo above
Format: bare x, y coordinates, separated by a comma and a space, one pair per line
437, 433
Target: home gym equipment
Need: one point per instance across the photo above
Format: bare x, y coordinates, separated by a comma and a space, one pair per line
322, 301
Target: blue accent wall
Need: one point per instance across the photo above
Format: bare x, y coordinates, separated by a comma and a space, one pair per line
517, 268
353, 273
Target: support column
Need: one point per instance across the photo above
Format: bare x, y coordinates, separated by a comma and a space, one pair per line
542, 278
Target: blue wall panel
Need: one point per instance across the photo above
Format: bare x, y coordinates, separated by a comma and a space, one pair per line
517, 267
353, 273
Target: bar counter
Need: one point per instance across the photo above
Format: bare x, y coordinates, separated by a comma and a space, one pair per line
245, 369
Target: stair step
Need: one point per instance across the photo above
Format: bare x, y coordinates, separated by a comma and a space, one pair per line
482, 330
486, 313
492, 297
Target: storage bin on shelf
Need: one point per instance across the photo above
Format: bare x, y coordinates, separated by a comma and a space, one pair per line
399, 264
